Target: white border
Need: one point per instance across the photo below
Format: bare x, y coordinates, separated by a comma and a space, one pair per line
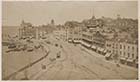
72, 80
70, 0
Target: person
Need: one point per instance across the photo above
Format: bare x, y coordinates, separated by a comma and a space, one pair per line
43, 66
117, 64
61, 46
58, 54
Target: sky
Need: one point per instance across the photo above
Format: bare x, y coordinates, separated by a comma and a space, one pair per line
42, 12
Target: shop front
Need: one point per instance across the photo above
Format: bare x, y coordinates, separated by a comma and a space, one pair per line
104, 51
94, 48
76, 41
130, 62
122, 60
108, 56
87, 45
136, 64
100, 50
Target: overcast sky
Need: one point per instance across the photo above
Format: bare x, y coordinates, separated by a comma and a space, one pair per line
39, 13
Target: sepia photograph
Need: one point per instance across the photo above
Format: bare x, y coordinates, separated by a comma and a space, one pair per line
69, 40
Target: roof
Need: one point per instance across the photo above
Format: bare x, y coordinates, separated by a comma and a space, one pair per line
125, 40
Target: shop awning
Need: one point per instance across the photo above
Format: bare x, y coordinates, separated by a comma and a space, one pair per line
123, 58
130, 60
77, 41
86, 44
108, 55
70, 40
93, 47
80, 41
105, 51
100, 49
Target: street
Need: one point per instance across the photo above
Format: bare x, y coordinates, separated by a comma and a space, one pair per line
65, 61
75, 63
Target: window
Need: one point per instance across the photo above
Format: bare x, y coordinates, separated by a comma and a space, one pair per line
128, 55
120, 52
132, 55
75, 32
113, 46
133, 48
120, 46
124, 46
116, 46
128, 48
113, 51
124, 54
116, 52
109, 45
137, 57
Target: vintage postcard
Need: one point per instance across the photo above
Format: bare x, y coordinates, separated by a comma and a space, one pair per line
70, 40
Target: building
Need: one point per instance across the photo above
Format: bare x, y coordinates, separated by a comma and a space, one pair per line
87, 35
87, 39
26, 30
92, 35
93, 39
74, 31
77, 34
124, 51
41, 32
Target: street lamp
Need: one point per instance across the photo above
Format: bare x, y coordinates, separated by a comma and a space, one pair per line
66, 32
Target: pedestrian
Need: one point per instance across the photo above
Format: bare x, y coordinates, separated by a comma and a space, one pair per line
61, 46
43, 66
117, 64
58, 54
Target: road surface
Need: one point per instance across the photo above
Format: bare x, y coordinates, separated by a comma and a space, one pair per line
76, 63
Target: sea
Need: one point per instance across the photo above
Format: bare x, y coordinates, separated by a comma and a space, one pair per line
9, 30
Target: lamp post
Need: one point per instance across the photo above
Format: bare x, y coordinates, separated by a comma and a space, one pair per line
66, 32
